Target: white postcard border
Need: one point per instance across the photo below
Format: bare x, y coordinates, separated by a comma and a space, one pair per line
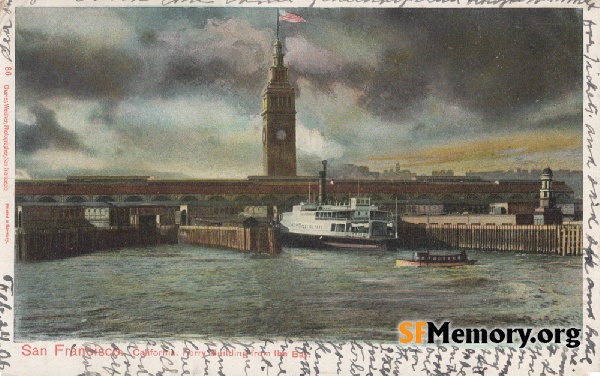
160, 357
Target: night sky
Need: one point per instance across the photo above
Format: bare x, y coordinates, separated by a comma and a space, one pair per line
176, 93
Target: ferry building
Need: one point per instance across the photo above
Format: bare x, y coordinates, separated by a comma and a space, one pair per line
279, 188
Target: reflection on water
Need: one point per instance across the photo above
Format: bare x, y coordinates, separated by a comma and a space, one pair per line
194, 292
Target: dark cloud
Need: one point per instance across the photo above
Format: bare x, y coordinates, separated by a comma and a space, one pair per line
490, 61
45, 133
217, 74
559, 121
501, 61
51, 65
368, 81
399, 82
54, 65
193, 72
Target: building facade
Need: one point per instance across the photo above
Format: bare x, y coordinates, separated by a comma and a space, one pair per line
455, 196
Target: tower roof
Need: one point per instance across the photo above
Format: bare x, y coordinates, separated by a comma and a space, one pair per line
547, 171
277, 54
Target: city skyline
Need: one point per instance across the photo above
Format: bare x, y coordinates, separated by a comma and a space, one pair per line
177, 92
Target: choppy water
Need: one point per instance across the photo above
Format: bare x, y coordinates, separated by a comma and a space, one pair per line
190, 292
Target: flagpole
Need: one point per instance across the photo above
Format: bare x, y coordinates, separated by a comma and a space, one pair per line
278, 24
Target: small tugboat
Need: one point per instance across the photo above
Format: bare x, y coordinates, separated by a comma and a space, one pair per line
428, 259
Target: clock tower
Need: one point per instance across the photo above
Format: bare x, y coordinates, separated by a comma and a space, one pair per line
279, 120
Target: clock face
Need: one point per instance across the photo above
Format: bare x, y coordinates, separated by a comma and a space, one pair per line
281, 135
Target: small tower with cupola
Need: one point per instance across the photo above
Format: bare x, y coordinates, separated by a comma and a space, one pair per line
547, 199
547, 213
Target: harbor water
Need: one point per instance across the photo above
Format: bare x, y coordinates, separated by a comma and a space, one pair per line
187, 292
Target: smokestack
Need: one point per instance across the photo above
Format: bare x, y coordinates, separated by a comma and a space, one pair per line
322, 184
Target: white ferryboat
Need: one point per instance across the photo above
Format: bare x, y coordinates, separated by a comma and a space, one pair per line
357, 224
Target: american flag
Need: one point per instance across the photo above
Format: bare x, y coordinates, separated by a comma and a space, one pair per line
290, 17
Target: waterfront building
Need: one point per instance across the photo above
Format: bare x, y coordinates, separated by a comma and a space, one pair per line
424, 209
469, 220
513, 208
230, 196
68, 215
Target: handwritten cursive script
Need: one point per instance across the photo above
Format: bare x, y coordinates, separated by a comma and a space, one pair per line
7, 7
6, 290
5, 42
175, 2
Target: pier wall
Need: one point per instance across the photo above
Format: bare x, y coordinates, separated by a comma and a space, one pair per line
565, 240
259, 239
51, 244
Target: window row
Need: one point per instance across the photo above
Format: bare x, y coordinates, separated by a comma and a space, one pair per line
340, 227
285, 102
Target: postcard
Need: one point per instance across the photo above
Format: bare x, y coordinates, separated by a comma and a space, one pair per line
202, 187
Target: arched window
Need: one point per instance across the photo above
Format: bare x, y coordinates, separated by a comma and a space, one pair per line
105, 199
189, 198
243, 199
216, 198
133, 199
161, 198
75, 199
46, 199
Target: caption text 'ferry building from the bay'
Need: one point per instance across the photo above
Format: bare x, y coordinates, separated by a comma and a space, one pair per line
279, 120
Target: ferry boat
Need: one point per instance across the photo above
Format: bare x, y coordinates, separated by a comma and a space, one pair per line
428, 259
355, 225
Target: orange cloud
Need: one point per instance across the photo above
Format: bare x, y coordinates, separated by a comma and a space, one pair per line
491, 149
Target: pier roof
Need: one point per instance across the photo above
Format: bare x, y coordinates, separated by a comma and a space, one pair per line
128, 186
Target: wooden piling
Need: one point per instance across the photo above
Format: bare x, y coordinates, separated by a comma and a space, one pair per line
565, 240
50, 244
260, 239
